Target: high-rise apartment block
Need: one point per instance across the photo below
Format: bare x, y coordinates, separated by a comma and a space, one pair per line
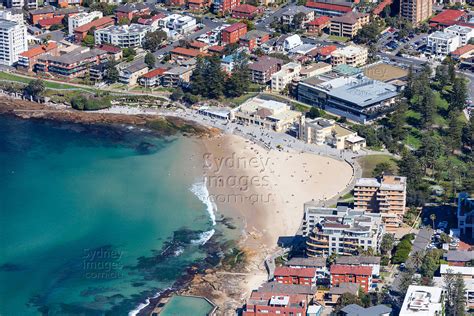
12, 41
386, 196
416, 11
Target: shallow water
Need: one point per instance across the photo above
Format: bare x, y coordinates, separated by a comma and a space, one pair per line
93, 219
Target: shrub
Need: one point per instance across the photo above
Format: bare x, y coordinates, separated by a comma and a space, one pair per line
84, 103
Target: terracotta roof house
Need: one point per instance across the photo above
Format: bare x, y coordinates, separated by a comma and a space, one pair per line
185, 53
447, 18
47, 23
152, 78
203, 47
245, 11
288, 275
381, 6
319, 24
217, 49
114, 51
81, 31
361, 275
27, 60
463, 52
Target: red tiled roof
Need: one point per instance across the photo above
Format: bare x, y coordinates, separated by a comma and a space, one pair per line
110, 48
51, 21
321, 20
155, 72
187, 51
327, 50
198, 44
463, 50
99, 22
328, 6
216, 48
245, 8
447, 16
299, 272
379, 8
346, 269
234, 27
39, 50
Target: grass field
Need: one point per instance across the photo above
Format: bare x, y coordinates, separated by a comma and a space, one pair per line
338, 38
368, 163
47, 84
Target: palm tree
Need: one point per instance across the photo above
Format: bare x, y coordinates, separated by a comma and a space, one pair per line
417, 258
433, 217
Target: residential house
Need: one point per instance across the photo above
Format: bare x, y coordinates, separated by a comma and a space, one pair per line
152, 78
459, 258
348, 24
263, 69
177, 76
351, 274
27, 60
245, 11
300, 276
447, 18
357, 310
114, 52
332, 296
268, 303
319, 24
233, 33
254, 39
297, 17
81, 31
131, 10
464, 52
181, 53
46, 24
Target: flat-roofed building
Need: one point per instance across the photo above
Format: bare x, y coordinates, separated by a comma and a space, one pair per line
340, 230
321, 131
177, 76
361, 275
267, 113
422, 301
285, 75
315, 70
132, 72
262, 70
441, 43
269, 303
357, 310
254, 39
14, 14
330, 8
82, 18
288, 16
351, 55
233, 33
13, 41
370, 261
416, 11
386, 196
465, 33
348, 24
132, 35
357, 97
319, 24
299, 276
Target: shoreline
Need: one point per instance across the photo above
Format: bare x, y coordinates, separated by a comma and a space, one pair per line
269, 188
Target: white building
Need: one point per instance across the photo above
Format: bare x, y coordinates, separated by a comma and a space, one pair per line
15, 4
422, 301
286, 74
440, 43
15, 15
181, 24
351, 55
13, 41
465, 33
132, 35
291, 42
82, 18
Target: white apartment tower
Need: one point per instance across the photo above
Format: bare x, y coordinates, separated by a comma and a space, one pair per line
81, 19
12, 41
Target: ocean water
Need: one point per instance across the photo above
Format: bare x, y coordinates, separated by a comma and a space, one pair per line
95, 220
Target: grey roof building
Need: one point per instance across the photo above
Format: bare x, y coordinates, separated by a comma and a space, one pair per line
356, 310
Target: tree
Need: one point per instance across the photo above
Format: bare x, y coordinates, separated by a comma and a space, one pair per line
239, 81
129, 53
429, 108
35, 88
417, 258
150, 60
441, 75
177, 94
111, 74
56, 27
88, 40
458, 95
368, 33
313, 112
382, 168
387, 243
298, 20
430, 150
454, 133
455, 294
153, 40
346, 299
433, 218
123, 21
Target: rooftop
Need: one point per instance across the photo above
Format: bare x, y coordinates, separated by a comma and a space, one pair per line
131, 7
320, 20
357, 260
126, 29
463, 50
459, 255
444, 269
340, 7
254, 34
263, 63
154, 73
96, 23
422, 300
349, 269
349, 17
344, 287
275, 287
234, 27
357, 310
385, 72
350, 50
187, 52
36, 51
76, 56
448, 16
442, 35
299, 272
245, 8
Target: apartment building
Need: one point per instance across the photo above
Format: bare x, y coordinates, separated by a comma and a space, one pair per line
356, 97
18, 4
441, 43
465, 215
330, 8
465, 33
131, 10
81, 31
43, 13
245, 11
72, 64
130, 74
13, 41
177, 76
340, 230
386, 196
416, 11
224, 6
14, 15
361, 261
152, 78
181, 24
348, 24
233, 33
361, 275
263, 69
319, 24
28, 59
261, 303
325, 131
81, 19
317, 263
285, 76
299, 276
422, 300
288, 17
254, 39
350, 55
132, 35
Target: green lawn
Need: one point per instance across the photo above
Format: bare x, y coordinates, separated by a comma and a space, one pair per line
368, 163
244, 97
338, 38
47, 84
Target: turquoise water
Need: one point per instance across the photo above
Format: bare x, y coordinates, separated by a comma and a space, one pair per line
93, 219
186, 305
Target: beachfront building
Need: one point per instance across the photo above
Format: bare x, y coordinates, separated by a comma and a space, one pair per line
28, 59
422, 300
285, 76
317, 263
262, 70
361, 261
13, 41
261, 303
321, 131
465, 215
356, 97
132, 35
385, 195
361, 275
82, 18
130, 74
465, 33
267, 113
350, 55
300, 276
349, 24
340, 230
